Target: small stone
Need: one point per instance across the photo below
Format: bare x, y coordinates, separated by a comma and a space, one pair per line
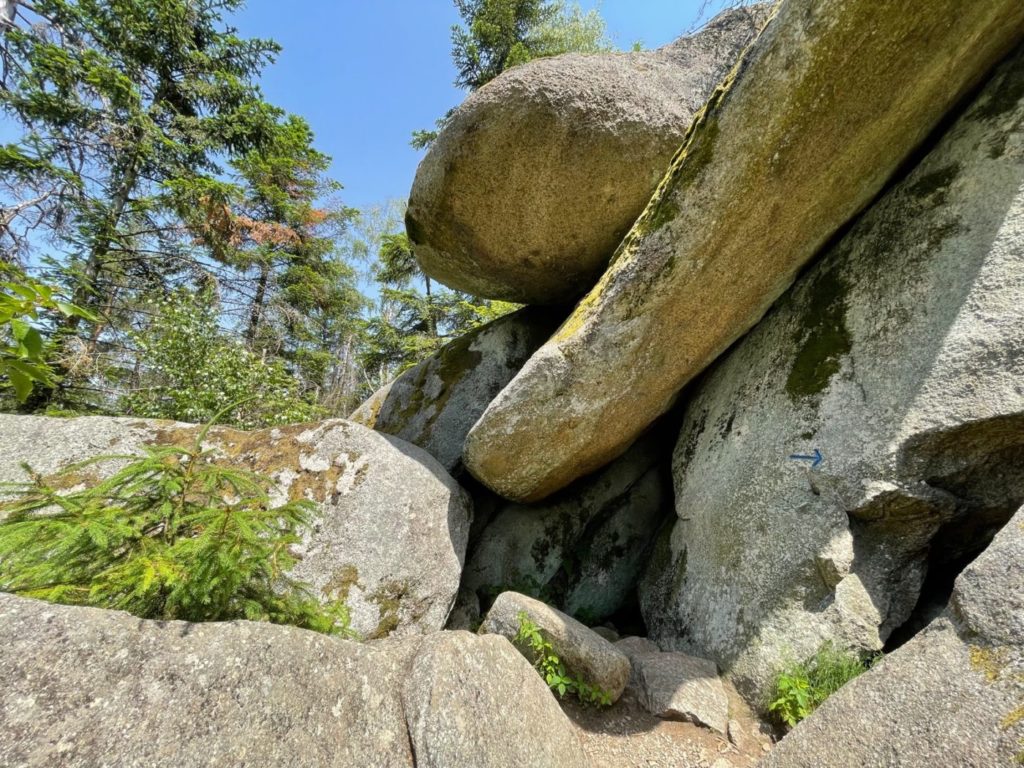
584, 653
737, 737
636, 646
675, 686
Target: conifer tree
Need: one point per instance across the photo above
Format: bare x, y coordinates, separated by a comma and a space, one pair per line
127, 108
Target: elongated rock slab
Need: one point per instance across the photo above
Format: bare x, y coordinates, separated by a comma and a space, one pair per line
825, 107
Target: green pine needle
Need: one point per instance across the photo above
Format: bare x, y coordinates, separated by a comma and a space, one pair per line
170, 535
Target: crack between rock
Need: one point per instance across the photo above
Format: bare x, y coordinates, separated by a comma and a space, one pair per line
405, 714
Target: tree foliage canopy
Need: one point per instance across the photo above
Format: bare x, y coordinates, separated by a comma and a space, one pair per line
499, 34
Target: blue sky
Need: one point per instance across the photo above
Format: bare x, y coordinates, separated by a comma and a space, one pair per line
366, 73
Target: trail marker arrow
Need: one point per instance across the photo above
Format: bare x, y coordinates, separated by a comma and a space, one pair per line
816, 458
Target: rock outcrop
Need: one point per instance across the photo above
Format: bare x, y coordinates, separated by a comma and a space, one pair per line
899, 358
584, 548
827, 104
585, 654
435, 403
391, 534
83, 686
537, 177
953, 695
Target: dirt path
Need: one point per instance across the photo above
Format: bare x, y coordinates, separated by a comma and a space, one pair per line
627, 736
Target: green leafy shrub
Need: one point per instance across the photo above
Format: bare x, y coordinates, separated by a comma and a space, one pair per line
192, 370
553, 670
171, 535
801, 687
22, 345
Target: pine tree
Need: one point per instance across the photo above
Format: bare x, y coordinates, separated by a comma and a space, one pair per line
127, 107
496, 35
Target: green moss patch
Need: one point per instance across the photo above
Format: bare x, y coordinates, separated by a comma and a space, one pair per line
823, 338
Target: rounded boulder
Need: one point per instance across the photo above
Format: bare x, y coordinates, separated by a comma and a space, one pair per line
539, 175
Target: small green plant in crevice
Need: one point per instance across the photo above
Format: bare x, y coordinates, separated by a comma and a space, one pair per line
802, 686
170, 535
553, 670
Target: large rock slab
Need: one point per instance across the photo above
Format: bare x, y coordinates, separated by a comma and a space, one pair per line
899, 357
584, 548
537, 177
585, 653
953, 695
390, 538
436, 402
83, 686
828, 103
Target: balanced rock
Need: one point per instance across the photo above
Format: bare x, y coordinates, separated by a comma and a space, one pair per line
828, 103
537, 177
585, 653
869, 433
83, 686
953, 695
436, 402
389, 539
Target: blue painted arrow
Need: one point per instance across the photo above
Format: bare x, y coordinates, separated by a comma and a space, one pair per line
816, 458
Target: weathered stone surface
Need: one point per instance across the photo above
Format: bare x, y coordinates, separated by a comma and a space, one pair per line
82, 686
435, 403
780, 160
583, 549
636, 646
465, 613
537, 177
584, 653
391, 535
953, 695
899, 357
607, 633
474, 701
675, 686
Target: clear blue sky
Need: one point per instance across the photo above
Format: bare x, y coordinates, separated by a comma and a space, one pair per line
367, 73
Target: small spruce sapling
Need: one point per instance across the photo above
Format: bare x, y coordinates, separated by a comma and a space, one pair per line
170, 535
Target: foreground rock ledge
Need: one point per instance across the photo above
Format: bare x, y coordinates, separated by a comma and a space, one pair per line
390, 539
538, 176
87, 687
828, 102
